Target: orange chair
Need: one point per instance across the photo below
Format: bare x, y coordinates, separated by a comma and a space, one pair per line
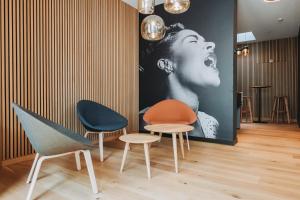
170, 111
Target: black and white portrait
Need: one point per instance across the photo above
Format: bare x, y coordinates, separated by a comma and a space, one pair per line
186, 61
188, 65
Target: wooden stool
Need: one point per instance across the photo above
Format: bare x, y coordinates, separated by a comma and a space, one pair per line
281, 106
139, 138
247, 108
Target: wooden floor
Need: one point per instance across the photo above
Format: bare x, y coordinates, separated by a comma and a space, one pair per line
265, 164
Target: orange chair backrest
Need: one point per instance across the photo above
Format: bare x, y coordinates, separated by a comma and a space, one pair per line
170, 111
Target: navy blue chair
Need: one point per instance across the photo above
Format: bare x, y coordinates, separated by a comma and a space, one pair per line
99, 119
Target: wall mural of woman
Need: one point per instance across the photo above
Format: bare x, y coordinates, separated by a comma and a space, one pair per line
183, 66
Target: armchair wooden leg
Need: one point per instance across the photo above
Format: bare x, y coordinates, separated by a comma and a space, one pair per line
89, 164
101, 147
124, 131
86, 134
32, 168
34, 178
90, 168
77, 158
187, 140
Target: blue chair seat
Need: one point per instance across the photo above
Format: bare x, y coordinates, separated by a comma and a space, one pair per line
98, 118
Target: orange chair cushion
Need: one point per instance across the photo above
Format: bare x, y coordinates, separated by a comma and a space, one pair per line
170, 111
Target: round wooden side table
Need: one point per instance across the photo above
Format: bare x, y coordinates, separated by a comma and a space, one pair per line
173, 129
138, 138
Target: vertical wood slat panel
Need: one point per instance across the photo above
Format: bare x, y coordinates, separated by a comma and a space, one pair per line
2, 48
54, 53
282, 73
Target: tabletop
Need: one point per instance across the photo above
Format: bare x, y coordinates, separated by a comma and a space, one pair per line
169, 128
261, 86
139, 138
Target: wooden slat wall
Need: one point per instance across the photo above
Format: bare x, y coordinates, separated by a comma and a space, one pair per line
282, 73
54, 53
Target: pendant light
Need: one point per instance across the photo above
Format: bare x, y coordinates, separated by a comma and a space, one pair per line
177, 6
146, 6
245, 51
153, 28
238, 51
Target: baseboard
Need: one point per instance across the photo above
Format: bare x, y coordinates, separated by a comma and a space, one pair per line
17, 160
269, 120
216, 141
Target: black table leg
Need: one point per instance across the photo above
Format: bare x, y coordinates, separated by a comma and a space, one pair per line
259, 107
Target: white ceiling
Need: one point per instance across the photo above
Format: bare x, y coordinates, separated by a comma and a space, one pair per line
261, 18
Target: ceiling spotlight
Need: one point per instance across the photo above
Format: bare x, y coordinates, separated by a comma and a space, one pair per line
280, 19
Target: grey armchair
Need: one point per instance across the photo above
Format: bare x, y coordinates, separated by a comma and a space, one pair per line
51, 140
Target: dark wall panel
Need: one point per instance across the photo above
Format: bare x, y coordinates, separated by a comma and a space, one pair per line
299, 78
199, 51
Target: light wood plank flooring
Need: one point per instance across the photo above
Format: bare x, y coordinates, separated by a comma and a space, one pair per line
265, 164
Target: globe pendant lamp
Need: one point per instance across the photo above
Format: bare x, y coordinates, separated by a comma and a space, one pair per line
177, 6
146, 6
245, 51
153, 28
238, 52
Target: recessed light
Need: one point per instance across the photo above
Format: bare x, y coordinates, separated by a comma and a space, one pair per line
280, 19
271, 1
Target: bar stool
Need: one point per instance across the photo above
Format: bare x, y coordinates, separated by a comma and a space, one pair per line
281, 107
247, 108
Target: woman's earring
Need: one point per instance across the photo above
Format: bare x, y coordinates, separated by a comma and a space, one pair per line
165, 65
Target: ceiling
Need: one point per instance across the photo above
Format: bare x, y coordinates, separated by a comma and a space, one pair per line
262, 18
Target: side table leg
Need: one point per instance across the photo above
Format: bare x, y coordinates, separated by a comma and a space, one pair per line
160, 135
175, 151
187, 140
124, 156
147, 158
181, 144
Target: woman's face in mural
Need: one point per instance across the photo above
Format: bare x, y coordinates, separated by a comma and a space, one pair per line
194, 60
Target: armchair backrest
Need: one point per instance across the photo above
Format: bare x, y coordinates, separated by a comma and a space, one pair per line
93, 114
170, 111
47, 137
